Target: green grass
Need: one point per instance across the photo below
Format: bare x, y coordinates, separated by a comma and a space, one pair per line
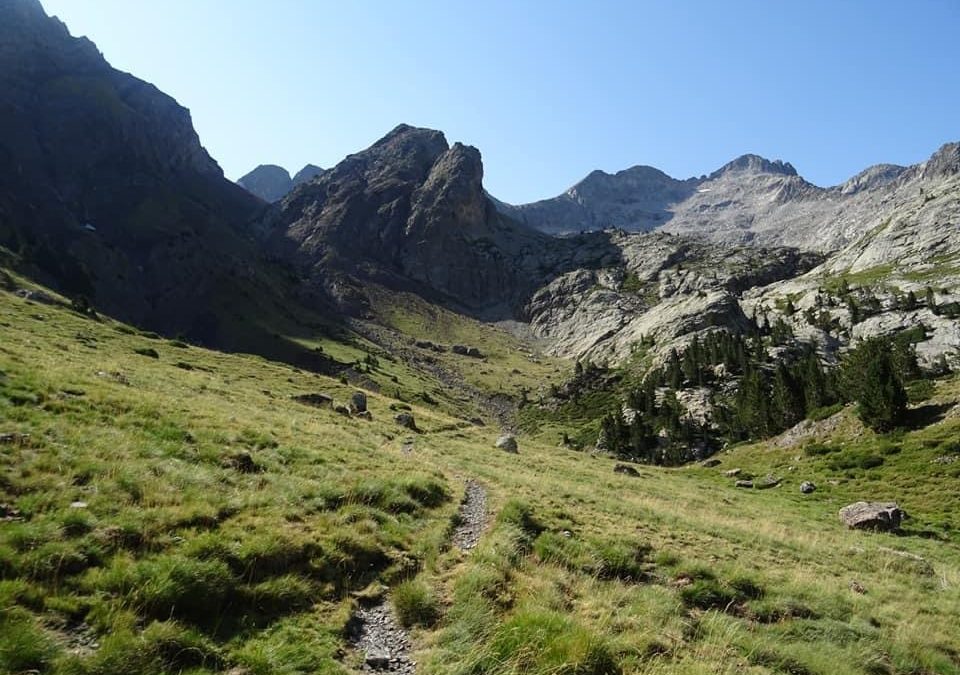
179, 561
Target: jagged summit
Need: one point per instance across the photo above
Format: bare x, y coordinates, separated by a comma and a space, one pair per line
755, 164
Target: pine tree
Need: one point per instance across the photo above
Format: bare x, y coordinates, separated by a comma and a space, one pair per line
870, 378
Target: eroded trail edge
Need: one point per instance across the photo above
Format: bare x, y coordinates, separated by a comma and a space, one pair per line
375, 630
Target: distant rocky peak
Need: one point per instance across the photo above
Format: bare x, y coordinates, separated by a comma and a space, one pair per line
269, 182
306, 174
755, 164
874, 177
944, 162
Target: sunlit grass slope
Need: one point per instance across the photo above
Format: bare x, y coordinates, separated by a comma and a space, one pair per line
174, 510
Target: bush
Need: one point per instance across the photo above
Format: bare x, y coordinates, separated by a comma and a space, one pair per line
147, 351
415, 604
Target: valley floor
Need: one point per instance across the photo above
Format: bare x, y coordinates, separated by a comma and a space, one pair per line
165, 508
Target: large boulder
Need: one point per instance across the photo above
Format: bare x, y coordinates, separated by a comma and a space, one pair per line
507, 443
881, 516
358, 402
406, 420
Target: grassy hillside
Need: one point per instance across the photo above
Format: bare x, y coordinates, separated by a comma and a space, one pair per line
170, 509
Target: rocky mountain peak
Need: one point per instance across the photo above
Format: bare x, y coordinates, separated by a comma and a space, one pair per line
268, 181
755, 164
306, 174
944, 162
872, 178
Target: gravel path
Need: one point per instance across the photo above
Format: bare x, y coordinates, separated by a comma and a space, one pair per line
383, 641
473, 516
375, 631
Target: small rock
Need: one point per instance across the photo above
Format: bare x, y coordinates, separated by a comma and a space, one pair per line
507, 443
78, 505
358, 402
378, 658
710, 463
14, 438
474, 352
406, 420
477, 422
341, 410
625, 469
806, 487
767, 483
880, 516
364, 415
744, 484
459, 349
857, 587
731, 473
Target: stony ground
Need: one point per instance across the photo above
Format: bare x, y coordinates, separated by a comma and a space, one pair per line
473, 516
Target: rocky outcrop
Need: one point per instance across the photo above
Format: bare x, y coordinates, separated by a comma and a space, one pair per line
411, 210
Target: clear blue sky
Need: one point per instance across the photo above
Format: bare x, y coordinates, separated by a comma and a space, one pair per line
550, 89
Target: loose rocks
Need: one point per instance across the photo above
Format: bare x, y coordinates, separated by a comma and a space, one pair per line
472, 516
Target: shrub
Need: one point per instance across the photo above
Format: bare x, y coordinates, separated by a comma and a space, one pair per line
147, 351
416, 604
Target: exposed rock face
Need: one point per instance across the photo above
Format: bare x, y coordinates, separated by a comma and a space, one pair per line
104, 187
750, 200
268, 181
882, 516
625, 287
639, 198
411, 208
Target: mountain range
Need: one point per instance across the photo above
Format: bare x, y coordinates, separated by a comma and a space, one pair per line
119, 203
